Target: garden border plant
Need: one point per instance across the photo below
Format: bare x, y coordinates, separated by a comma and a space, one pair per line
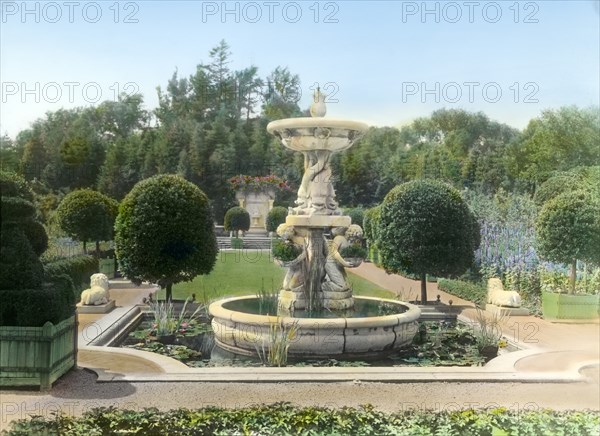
287, 419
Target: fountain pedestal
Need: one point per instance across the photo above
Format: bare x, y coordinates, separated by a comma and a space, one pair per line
316, 278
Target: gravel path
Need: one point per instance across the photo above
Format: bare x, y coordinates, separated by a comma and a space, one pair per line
78, 392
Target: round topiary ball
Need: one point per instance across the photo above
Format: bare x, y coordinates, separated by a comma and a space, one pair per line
87, 215
427, 228
568, 228
275, 217
236, 219
164, 232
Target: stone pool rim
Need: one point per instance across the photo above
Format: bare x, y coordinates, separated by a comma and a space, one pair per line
413, 313
321, 338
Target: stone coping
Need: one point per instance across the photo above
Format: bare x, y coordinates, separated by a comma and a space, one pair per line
308, 122
217, 310
113, 364
166, 369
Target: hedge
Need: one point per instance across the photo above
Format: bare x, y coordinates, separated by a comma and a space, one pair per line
54, 302
276, 216
357, 214
78, 268
285, 419
465, 290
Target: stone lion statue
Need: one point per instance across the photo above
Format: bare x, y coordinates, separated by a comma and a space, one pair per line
498, 296
97, 294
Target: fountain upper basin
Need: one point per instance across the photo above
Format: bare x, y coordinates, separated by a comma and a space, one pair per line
340, 337
306, 134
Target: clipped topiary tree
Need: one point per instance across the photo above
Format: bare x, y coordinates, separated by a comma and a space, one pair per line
164, 232
576, 179
426, 228
20, 267
87, 215
275, 217
26, 299
568, 229
236, 219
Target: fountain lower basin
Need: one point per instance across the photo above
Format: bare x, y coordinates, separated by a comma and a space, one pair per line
338, 337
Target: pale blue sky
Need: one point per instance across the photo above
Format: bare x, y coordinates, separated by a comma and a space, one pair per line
379, 55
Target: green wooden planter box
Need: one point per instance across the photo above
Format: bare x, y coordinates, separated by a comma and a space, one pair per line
570, 307
37, 356
107, 267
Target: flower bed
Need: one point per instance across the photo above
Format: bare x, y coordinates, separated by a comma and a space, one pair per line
258, 183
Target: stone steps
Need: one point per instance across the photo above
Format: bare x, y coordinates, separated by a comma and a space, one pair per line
253, 242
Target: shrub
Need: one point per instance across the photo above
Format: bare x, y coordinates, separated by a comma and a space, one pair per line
476, 293
371, 224
15, 209
568, 229
87, 215
276, 216
426, 228
576, 179
36, 234
357, 215
286, 419
554, 186
236, 219
26, 300
78, 268
164, 232
353, 251
12, 185
285, 251
20, 268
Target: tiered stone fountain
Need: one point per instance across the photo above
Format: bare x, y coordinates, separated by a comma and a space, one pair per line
315, 287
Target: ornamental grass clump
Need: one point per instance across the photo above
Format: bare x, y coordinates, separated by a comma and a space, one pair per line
275, 353
488, 328
167, 323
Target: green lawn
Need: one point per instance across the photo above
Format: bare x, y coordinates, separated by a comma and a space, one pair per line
246, 272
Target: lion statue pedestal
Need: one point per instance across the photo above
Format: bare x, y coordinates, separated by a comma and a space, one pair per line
503, 302
96, 298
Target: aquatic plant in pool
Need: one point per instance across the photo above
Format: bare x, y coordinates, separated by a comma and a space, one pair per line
435, 343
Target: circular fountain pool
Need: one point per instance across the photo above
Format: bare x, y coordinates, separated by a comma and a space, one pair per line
374, 328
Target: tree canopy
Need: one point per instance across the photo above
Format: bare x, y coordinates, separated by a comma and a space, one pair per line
425, 227
164, 232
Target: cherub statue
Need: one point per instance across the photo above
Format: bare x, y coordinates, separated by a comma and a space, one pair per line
295, 275
336, 279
